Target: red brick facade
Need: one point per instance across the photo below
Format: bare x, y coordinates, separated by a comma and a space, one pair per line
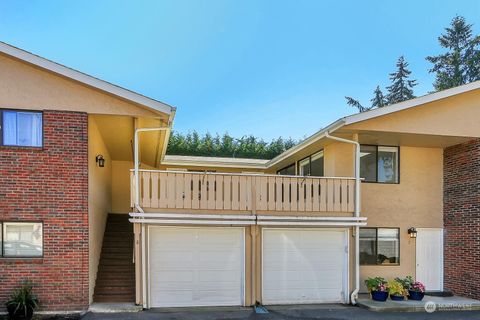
462, 218
50, 184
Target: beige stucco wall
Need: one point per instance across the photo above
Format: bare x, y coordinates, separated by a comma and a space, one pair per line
454, 116
121, 186
415, 202
99, 198
24, 86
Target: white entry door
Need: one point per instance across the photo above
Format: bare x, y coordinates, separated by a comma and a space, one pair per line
429, 256
190, 266
305, 266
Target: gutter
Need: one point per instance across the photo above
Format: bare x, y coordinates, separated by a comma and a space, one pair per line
137, 204
316, 136
354, 295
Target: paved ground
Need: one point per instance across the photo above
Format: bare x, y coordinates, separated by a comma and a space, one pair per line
332, 312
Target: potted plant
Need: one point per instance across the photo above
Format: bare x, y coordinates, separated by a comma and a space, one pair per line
396, 290
22, 303
416, 291
378, 288
406, 282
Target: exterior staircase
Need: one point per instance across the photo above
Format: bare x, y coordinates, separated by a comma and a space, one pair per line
116, 270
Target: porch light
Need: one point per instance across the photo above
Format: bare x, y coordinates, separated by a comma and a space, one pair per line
412, 232
100, 160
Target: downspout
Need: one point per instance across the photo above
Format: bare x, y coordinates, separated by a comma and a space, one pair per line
139, 209
354, 295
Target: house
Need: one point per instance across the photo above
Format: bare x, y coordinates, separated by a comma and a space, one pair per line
91, 208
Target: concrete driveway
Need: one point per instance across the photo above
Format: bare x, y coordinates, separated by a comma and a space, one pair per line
330, 312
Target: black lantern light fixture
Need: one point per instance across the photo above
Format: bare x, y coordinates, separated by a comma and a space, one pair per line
100, 160
412, 232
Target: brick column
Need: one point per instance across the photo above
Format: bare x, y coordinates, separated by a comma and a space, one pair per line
461, 208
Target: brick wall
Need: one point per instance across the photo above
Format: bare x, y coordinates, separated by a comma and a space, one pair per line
462, 218
50, 185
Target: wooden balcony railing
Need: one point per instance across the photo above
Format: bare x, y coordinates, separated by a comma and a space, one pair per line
243, 192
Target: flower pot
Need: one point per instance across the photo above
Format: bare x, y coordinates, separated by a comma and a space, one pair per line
396, 298
379, 295
20, 314
415, 295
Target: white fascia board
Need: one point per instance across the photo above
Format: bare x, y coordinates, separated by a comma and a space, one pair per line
192, 222
411, 103
198, 161
85, 79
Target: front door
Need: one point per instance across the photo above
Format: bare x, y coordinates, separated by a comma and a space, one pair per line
429, 256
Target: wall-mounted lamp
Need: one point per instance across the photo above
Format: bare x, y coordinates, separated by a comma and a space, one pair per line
100, 160
412, 232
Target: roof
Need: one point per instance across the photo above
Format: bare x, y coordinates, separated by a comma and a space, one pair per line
363, 116
85, 79
200, 161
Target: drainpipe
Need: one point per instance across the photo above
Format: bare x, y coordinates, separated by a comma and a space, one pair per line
139, 209
354, 295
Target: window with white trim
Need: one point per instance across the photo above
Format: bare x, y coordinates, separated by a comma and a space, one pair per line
21, 128
21, 239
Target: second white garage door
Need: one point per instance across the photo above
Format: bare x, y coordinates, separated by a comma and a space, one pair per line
196, 266
304, 266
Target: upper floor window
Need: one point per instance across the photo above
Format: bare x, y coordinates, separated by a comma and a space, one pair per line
379, 164
312, 165
287, 171
21, 128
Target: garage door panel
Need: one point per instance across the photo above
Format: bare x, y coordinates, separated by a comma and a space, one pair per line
219, 276
273, 276
307, 267
173, 276
207, 271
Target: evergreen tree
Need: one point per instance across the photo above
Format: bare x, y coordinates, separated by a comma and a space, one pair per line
226, 146
401, 88
378, 100
356, 104
461, 63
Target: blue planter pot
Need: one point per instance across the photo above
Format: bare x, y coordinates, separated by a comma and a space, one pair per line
414, 295
379, 295
396, 298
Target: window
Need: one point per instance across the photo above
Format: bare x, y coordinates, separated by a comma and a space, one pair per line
379, 246
21, 239
21, 128
379, 164
287, 171
312, 165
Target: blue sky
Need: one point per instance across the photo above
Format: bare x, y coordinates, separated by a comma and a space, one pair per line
268, 68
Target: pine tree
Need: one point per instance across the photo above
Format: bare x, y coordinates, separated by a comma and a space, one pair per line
378, 100
356, 104
461, 63
401, 88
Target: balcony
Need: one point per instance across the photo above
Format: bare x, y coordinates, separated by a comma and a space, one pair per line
162, 191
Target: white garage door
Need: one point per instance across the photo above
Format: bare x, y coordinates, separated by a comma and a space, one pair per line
304, 266
196, 266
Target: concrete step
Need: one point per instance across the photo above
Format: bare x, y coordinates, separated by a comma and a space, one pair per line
114, 297
115, 290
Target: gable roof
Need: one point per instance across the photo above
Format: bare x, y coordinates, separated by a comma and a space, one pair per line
85, 79
363, 116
